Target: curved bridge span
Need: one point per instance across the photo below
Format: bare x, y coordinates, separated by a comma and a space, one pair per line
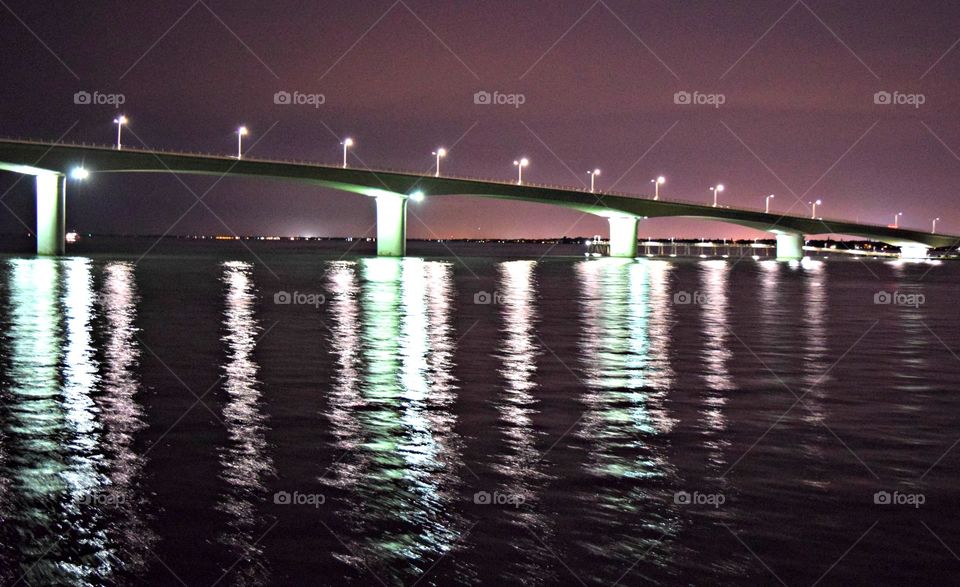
50, 163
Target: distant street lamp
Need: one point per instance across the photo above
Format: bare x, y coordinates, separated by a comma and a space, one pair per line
896, 219
347, 143
520, 165
120, 121
656, 186
716, 190
593, 176
440, 153
935, 221
241, 132
815, 204
770, 197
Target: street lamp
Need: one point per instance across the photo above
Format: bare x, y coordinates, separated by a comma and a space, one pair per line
716, 190
440, 153
896, 219
770, 197
347, 143
935, 221
520, 165
241, 132
593, 175
815, 204
81, 173
417, 196
656, 186
120, 121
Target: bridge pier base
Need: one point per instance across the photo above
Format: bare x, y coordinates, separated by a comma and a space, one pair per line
51, 214
789, 247
914, 252
391, 225
623, 236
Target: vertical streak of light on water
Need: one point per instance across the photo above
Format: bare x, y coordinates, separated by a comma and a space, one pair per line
715, 319
53, 509
245, 460
815, 350
521, 463
122, 416
625, 340
391, 408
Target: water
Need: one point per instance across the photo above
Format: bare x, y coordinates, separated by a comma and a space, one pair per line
497, 419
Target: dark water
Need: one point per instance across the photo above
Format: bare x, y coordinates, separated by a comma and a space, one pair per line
497, 419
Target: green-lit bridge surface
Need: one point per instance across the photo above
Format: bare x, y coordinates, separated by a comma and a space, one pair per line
51, 162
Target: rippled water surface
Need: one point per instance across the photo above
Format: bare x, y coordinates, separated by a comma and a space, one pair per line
298, 417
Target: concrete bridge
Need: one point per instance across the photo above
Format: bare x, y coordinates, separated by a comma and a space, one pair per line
50, 163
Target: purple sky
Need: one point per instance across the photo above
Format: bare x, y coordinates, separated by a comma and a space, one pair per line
598, 81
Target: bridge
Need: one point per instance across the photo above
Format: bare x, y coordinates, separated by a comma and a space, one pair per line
51, 163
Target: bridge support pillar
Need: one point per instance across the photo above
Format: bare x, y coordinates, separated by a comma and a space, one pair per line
51, 214
391, 225
914, 252
789, 247
623, 236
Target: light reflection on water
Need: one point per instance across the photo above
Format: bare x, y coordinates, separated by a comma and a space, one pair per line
70, 427
246, 459
626, 309
391, 412
634, 397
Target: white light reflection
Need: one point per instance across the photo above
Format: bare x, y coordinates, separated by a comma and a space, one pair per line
518, 352
391, 407
51, 426
245, 460
816, 357
714, 309
624, 349
520, 462
121, 415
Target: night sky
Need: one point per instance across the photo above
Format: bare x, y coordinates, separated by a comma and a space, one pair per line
598, 81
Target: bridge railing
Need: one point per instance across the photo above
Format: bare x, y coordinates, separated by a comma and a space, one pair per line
424, 174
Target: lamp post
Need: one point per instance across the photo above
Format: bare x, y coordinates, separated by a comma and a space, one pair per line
716, 190
241, 132
815, 204
347, 143
935, 221
656, 186
593, 176
896, 219
120, 121
440, 154
520, 164
770, 197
